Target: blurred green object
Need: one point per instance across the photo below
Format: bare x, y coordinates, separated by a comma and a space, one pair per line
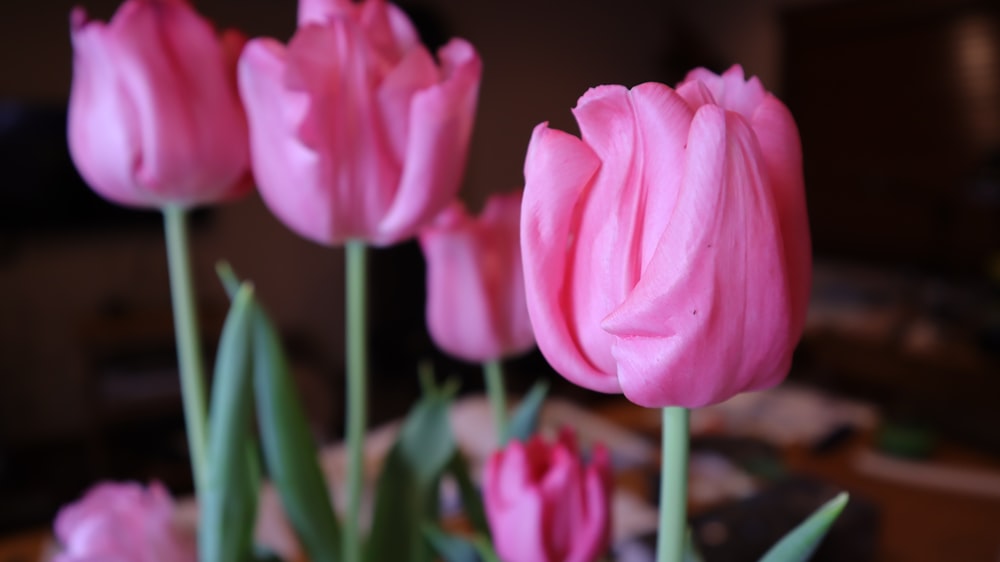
906, 440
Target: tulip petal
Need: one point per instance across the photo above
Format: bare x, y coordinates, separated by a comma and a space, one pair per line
782, 152
685, 337
458, 291
106, 156
559, 169
184, 101
281, 159
594, 531
440, 127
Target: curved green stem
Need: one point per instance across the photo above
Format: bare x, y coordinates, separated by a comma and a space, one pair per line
357, 390
493, 373
189, 356
672, 531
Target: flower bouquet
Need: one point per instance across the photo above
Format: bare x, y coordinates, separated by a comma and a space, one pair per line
664, 254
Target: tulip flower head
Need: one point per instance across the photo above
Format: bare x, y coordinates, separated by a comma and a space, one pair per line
356, 132
545, 505
154, 115
476, 308
123, 522
667, 251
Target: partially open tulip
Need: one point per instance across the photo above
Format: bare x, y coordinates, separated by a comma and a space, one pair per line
475, 284
667, 251
154, 114
123, 522
545, 505
356, 132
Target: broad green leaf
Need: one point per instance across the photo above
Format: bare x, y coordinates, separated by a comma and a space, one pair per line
229, 501
801, 542
289, 449
407, 497
452, 548
472, 499
524, 421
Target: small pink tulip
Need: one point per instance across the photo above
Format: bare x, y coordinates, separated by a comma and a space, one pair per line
545, 505
154, 115
356, 132
123, 523
667, 251
475, 283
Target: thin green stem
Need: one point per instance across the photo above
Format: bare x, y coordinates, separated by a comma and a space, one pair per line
493, 373
188, 337
673, 486
357, 391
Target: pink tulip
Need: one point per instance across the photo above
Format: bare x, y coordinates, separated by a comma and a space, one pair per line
475, 284
123, 523
355, 131
667, 252
544, 505
154, 115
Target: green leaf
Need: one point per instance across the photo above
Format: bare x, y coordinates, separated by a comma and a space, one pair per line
289, 449
452, 548
485, 549
229, 502
230, 282
472, 499
801, 542
407, 494
524, 421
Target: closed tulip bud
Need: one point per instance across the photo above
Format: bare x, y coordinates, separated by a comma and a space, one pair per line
475, 285
154, 115
667, 250
356, 131
544, 504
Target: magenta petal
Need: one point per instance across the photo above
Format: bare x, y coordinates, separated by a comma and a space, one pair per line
709, 318
558, 170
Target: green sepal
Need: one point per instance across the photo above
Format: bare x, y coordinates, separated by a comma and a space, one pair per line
228, 505
524, 420
799, 544
407, 496
289, 450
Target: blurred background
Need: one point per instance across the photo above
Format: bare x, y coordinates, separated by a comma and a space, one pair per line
898, 103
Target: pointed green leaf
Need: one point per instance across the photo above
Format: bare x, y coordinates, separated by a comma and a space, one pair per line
452, 548
524, 421
230, 282
472, 499
801, 542
485, 549
229, 501
289, 449
407, 494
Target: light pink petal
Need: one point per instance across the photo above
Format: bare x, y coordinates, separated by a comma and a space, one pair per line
501, 224
782, 152
559, 170
191, 129
709, 318
319, 11
695, 93
287, 169
389, 30
460, 311
332, 64
731, 90
415, 72
440, 127
103, 129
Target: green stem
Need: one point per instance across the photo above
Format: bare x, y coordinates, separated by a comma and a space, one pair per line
673, 486
493, 373
189, 357
357, 400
